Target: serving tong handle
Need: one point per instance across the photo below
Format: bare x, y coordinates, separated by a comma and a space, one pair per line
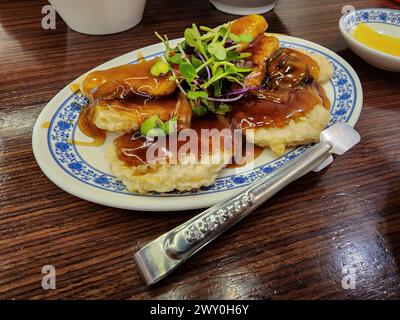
164, 254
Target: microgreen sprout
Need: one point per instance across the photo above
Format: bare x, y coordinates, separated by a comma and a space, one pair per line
154, 126
159, 68
208, 67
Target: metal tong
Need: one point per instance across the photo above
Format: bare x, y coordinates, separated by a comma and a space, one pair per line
164, 254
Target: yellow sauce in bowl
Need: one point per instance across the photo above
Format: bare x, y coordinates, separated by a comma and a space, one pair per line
384, 43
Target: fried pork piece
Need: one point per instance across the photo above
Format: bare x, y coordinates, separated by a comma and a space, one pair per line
127, 115
267, 46
184, 176
261, 50
136, 76
134, 161
254, 25
308, 113
325, 68
303, 130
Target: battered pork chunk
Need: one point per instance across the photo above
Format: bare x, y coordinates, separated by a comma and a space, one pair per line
136, 77
134, 161
121, 98
293, 110
128, 114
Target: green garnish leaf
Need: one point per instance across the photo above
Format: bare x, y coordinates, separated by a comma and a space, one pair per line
195, 31
217, 50
170, 126
232, 55
223, 108
159, 68
152, 126
208, 104
199, 45
204, 28
183, 43
217, 88
165, 41
176, 58
231, 69
217, 72
189, 37
244, 55
234, 37
222, 31
195, 62
246, 37
193, 95
187, 71
199, 110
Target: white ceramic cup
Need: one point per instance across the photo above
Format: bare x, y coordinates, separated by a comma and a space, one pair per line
100, 16
244, 7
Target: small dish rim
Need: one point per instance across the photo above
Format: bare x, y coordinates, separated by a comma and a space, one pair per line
348, 37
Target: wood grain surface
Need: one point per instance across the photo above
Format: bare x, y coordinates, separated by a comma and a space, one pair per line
293, 246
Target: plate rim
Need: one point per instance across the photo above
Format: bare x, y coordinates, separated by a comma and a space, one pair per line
162, 203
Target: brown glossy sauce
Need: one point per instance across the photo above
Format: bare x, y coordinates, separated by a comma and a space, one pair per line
88, 128
74, 86
142, 106
249, 152
291, 68
140, 57
262, 49
132, 148
322, 94
136, 77
290, 93
45, 125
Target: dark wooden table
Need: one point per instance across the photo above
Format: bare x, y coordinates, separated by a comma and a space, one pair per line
295, 246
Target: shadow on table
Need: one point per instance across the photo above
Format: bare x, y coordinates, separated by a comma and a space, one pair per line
28, 32
275, 23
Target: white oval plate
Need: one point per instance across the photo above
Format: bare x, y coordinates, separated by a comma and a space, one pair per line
84, 172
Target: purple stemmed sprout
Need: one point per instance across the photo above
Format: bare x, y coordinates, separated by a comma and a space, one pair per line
203, 60
239, 93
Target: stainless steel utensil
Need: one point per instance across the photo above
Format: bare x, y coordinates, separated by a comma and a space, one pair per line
164, 254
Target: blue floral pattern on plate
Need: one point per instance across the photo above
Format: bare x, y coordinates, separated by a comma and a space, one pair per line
64, 124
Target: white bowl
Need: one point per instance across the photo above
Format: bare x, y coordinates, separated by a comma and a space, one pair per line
100, 16
244, 7
385, 21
